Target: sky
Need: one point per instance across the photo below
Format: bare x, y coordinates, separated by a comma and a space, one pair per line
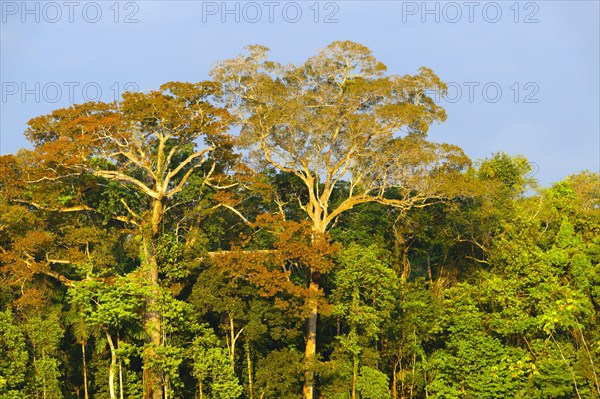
523, 76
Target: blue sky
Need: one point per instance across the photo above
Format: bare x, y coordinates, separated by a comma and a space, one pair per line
524, 76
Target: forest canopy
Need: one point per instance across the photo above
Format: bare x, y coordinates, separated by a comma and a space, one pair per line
289, 231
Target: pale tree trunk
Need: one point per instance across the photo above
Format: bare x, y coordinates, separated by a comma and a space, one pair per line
153, 379
311, 340
111, 369
310, 352
121, 393
85, 382
249, 366
232, 339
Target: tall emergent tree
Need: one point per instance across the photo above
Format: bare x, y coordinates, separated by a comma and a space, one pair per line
144, 150
338, 119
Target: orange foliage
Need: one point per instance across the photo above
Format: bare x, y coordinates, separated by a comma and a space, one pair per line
296, 250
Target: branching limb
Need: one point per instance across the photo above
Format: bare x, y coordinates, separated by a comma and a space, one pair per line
119, 176
36, 205
238, 213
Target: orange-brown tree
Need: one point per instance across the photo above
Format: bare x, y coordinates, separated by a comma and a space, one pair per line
339, 116
146, 149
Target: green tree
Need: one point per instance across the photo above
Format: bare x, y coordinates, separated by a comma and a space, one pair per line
372, 384
13, 356
278, 374
44, 332
109, 307
364, 297
213, 369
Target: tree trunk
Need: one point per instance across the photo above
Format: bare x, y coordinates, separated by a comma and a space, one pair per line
425, 380
111, 369
85, 383
354, 340
233, 337
414, 362
311, 340
152, 375
395, 381
152, 323
249, 366
310, 352
44, 393
354, 375
121, 393
37, 392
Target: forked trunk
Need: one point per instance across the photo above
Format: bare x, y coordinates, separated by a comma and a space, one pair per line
232, 339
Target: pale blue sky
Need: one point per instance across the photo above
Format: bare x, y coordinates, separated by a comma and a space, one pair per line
543, 56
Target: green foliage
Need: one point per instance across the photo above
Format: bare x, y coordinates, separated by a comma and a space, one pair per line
13, 356
373, 384
109, 304
364, 288
474, 363
510, 171
279, 374
44, 333
212, 367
